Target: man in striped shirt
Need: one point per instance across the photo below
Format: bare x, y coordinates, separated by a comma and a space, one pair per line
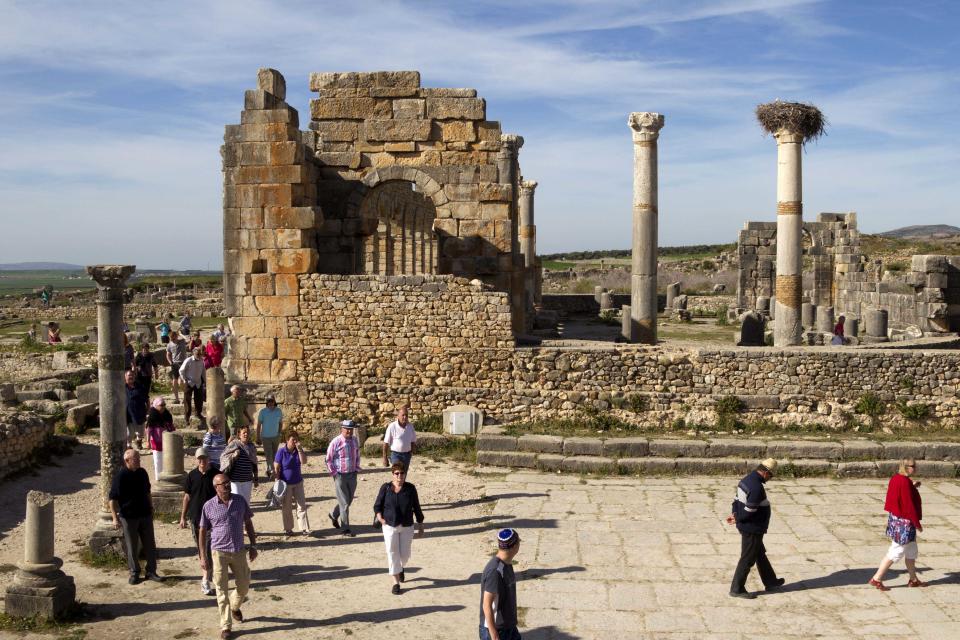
222, 522
343, 461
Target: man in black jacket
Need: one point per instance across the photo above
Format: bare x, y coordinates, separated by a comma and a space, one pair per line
751, 513
132, 509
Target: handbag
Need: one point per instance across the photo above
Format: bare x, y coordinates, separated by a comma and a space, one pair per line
376, 522
900, 530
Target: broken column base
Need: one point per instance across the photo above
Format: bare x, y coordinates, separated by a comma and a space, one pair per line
167, 501
40, 590
874, 339
105, 540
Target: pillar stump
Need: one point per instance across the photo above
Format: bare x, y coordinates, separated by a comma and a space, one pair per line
111, 282
643, 275
508, 170
876, 321
528, 242
808, 315
825, 319
216, 394
673, 290
168, 492
625, 322
39, 587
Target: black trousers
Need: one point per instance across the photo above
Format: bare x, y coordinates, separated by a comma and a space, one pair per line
193, 396
752, 552
137, 532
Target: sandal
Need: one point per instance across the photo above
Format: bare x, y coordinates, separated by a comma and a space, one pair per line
916, 583
878, 584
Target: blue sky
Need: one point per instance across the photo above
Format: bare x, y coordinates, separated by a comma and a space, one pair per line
113, 112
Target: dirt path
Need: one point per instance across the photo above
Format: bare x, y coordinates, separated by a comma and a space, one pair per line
323, 586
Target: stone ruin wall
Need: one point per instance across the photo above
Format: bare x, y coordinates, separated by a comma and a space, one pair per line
371, 342
20, 435
842, 278
320, 201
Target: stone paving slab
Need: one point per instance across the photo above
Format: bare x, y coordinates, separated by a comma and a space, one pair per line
660, 563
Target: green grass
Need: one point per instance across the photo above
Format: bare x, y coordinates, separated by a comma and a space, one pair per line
557, 265
453, 449
108, 560
25, 282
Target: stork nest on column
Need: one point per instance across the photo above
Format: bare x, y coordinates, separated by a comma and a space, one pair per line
796, 117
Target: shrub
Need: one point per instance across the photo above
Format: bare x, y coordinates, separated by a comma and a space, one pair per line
721, 314
432, 422
637, 403
583, 286
914, 412
870, 404
727, 409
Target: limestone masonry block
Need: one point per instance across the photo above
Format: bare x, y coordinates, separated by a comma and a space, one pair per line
408, 109
286, 284
507, 459
328, 80
258, 370
861, 449
793, 449
678, 448
396, 130
487, 442
292, 238
291, 217
286, 114
261, 348
626, 447
456, 131
495, 211
261, 284
340, 159
583, 447
289, 349
540, 444
647, 465
496, 192
274, 327
251, 218
352, 108
270, 153
273, 82
283, 370
293, 174
589, 464
257, 99
456, 108
278, 305
335, 130
290, 260
721, 447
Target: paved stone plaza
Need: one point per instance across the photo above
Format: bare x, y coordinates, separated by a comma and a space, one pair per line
606, 557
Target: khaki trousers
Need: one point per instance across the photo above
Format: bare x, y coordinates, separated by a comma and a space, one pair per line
225, 562
293, 493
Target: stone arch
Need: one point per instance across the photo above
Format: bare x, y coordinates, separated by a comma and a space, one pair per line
397, 208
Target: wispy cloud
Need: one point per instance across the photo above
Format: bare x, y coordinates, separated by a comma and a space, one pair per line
119, 107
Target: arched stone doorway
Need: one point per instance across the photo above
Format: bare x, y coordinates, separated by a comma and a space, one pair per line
403, 240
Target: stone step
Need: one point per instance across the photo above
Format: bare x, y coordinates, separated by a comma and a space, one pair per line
494, 439
658, 465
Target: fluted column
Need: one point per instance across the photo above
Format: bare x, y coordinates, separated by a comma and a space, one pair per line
643, 276
508, 168
111, 282
787, 327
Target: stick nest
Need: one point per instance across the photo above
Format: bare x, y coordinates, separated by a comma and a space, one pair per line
796, 117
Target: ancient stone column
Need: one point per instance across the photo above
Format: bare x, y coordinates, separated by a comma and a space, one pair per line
808, 314
111, 281
508, 169
597, 292
787, 326
39, 587
643, 276
876, 321
852, 328
168, 492
825, 319
673, 290
606, 301
528, 230
625, 321
216, 394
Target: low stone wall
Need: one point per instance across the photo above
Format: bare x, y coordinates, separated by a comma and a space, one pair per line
20, 434
370, 342
130, 311
845, 458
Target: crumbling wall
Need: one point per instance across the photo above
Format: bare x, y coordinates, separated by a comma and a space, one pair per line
21, 434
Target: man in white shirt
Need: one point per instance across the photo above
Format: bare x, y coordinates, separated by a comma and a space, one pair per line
192, 375
400, 440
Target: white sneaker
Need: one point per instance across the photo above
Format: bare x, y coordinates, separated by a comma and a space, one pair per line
206, 588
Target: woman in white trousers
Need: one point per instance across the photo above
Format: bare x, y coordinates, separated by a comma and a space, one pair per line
396, 506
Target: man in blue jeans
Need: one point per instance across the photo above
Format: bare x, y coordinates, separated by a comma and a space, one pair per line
498, 591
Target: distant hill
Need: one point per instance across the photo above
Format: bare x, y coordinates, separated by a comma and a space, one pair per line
41, 266
923, 231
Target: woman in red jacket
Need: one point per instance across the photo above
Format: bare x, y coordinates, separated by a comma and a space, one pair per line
903, 522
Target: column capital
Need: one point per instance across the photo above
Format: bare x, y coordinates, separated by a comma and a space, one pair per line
110, 276
527, 186
785, 136
511, 141
646, 125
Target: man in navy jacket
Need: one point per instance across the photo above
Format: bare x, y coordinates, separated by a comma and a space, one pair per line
751, 512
